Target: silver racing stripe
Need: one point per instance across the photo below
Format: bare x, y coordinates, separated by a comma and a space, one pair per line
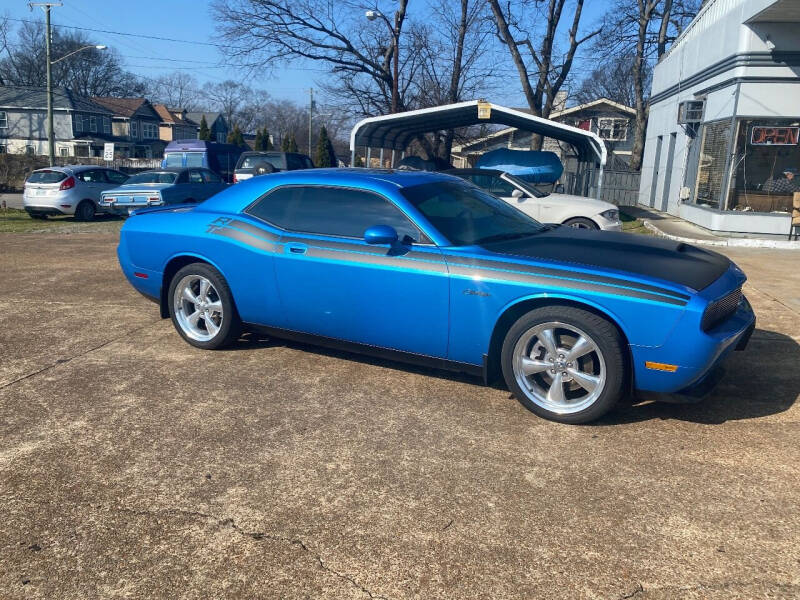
562, 273
434, 263
549, 282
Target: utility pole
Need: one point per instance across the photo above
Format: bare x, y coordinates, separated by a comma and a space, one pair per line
310, 117
51, 150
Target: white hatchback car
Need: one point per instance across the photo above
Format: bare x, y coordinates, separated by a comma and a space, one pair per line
71, 190
574, 211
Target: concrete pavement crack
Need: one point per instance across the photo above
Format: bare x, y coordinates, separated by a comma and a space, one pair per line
257, 536
63, 361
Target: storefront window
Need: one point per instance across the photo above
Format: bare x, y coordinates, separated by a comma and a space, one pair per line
766, 165
711, 168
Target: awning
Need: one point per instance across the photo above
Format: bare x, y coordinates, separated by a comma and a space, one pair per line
396, 131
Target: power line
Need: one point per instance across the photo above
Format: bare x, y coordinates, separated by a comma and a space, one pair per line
136, 35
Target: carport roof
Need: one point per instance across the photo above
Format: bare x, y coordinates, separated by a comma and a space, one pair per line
396, 131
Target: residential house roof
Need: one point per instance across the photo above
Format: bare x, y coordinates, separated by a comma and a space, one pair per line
196, 117
170, 115
26, 96
123, 107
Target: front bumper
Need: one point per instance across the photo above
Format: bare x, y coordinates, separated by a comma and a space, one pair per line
607, 224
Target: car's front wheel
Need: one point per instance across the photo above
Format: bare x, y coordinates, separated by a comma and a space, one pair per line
581, 223
201, 307
564, 363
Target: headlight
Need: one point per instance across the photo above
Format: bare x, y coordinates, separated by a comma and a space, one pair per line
611, 214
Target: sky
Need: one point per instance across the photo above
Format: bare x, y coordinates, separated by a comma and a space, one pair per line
193, 22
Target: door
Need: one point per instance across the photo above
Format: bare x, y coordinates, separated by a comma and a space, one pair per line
668, 172
213, 183
656, 166
197, 189
93, 183
332, 283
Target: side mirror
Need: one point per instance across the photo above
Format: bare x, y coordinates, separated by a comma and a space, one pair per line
517, 194
380, 234
560, 188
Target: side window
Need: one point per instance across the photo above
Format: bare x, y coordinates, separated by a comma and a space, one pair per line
211, 177
182, 177
92, 176
293, 162
309, 164
116, 177
501, 187
196, 176
343, 212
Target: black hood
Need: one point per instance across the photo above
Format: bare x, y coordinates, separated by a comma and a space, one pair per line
643, 255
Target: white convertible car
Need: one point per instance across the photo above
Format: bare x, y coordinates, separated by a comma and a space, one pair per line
575, 211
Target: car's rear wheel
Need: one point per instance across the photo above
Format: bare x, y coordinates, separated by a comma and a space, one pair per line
581, 223
85, 211
564, 363
201, 307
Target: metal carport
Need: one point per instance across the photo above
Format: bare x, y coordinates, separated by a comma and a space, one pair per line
394, 132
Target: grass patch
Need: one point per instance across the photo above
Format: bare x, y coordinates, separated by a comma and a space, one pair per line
18, 221
631, 224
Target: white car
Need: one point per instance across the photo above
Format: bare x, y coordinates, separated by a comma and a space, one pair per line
574, 211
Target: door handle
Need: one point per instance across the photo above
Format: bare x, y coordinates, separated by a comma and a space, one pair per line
297, 248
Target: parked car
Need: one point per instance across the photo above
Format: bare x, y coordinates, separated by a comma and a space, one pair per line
574, 211
220, 158
162, 187
262, 162
71, 190
428, 268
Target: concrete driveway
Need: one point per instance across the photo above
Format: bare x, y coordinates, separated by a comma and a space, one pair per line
132, 465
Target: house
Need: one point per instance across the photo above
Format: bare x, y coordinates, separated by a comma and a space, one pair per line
80, 126
217, 125
612, 122
135, 126
724, 119
174, 124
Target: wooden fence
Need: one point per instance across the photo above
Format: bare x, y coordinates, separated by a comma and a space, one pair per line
620, 187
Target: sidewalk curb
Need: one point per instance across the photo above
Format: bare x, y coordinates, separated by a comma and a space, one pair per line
727, 242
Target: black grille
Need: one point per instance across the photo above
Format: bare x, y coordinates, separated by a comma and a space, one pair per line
721, 309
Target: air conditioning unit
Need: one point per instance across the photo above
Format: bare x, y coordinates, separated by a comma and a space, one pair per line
690, 111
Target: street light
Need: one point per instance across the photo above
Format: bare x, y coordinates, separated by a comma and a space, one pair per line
371, 15
95, 46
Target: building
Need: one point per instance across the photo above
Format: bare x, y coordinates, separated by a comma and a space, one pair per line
724, 119
80, 126
135, 127
217, 125
174, 124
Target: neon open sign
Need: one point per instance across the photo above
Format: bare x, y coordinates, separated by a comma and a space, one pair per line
775, 136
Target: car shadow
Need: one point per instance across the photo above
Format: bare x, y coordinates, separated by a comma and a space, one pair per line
762, 380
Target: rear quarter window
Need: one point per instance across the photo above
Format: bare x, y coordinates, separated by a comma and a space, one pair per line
46, 177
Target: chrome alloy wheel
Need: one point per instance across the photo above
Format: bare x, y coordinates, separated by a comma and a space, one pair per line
559, 367
198, 308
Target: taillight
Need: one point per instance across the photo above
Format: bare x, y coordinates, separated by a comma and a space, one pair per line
154, 199
235, 179
67, 184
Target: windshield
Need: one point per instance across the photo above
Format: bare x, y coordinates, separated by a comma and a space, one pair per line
250, 162
46, 177
531, 189
173, 159
153, 177
467, 215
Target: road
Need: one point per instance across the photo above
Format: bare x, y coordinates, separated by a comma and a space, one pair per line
134, 465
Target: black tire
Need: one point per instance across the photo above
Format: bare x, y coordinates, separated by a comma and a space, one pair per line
231, 324
85, 211
606, 337
581, 223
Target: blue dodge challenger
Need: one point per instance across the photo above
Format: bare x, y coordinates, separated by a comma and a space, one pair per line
428, 268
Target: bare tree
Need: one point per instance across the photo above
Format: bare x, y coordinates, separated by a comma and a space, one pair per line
268, 32
613, 80
228, 97
178, 89
644, 28
90, 72
544, 78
